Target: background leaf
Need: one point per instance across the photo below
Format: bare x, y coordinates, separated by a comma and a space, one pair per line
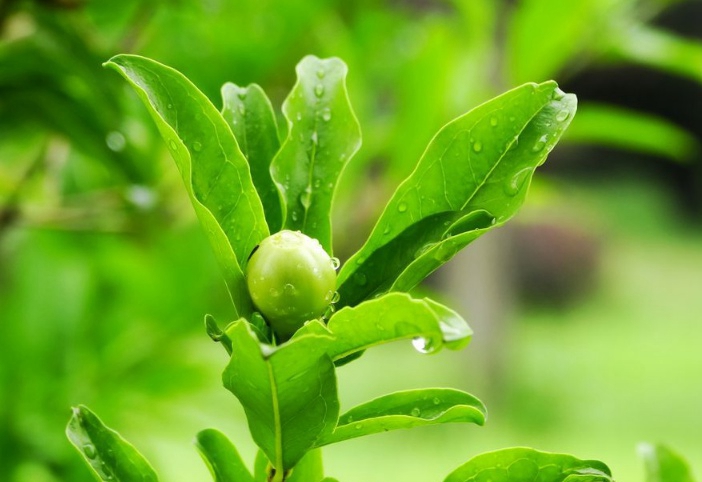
392, 317
215, 172
288, 392
407, 409
527, 465
473, 176
110, 457
323, 134
310, 468
221, 457
664, 465
250, 116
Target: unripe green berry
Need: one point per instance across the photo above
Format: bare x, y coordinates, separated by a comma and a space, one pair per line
291, 280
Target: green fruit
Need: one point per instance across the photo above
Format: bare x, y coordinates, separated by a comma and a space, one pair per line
291, 280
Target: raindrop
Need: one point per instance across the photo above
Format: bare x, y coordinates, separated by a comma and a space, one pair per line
416, 412
306, 197
299, 116
402, 207
335, 297
197, 147
169, 106
89, 451
319, 90
116, 141
436, 401
335, 263
360, 279
558, 94
275, 292
294, 215
314, 138
358, 426
423, 345
477, 146
515, 184
562, 115
320, 73
326, 115
172, 145
493, 121
289, 289
386, 230
540, 144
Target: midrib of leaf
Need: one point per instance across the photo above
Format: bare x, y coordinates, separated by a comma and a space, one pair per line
310, 176
276, 420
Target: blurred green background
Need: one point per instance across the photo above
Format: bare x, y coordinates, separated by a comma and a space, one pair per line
587, 308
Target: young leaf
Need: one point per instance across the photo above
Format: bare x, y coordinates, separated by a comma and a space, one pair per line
110, 457
392, 317
407, 409
288, 392
250, 116
527, 465
215, 172
473, 176
664, 465
221, 457
323, 134
310, 468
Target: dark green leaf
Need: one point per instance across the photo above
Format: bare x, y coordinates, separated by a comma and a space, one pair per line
221, 457
110, 457
529, 465
310, 468
215, 172
323, 134
664, 465
250, 116
473, 177
412, 408
392, 317
288, 392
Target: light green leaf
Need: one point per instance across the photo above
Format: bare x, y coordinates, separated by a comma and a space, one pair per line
250, 116
664, 465
529, 465
310, 468
221, 457
473, 177
392, 317
323, 134
110, 457
288, 392
607, 125
261, 466
215, 172
407, 409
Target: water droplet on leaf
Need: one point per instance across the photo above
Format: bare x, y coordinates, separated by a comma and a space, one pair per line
493, 121
562, 115
89, 451
360, 279
320, 73
515, 184
335, 263
326, 115
319, 90
436, 401
402, 207
423, 345
172, 145
416, 412
197, 147
477, 146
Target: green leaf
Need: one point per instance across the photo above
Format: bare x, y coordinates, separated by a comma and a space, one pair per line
217, 335
110, 457
664, 465
529, 465
612, 126
407, 409
392, 317
288, 392
215, 172
221, 457
310, 468
473, 177
261, 466
323, 134
250, 116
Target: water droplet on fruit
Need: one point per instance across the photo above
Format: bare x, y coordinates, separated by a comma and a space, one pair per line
89, 451
335, 263
289, 289
416, 412
402, 207
477, 146
197, 147
493, 121
562, 115
275, 292
319, 90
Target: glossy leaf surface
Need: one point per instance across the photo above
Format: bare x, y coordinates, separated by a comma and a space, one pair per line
529, 465
310, 468
215, 172
407, 409
393, 317
250, 116
288, 392
323, 134
473, 176
110, 457
221, 457
664, 465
